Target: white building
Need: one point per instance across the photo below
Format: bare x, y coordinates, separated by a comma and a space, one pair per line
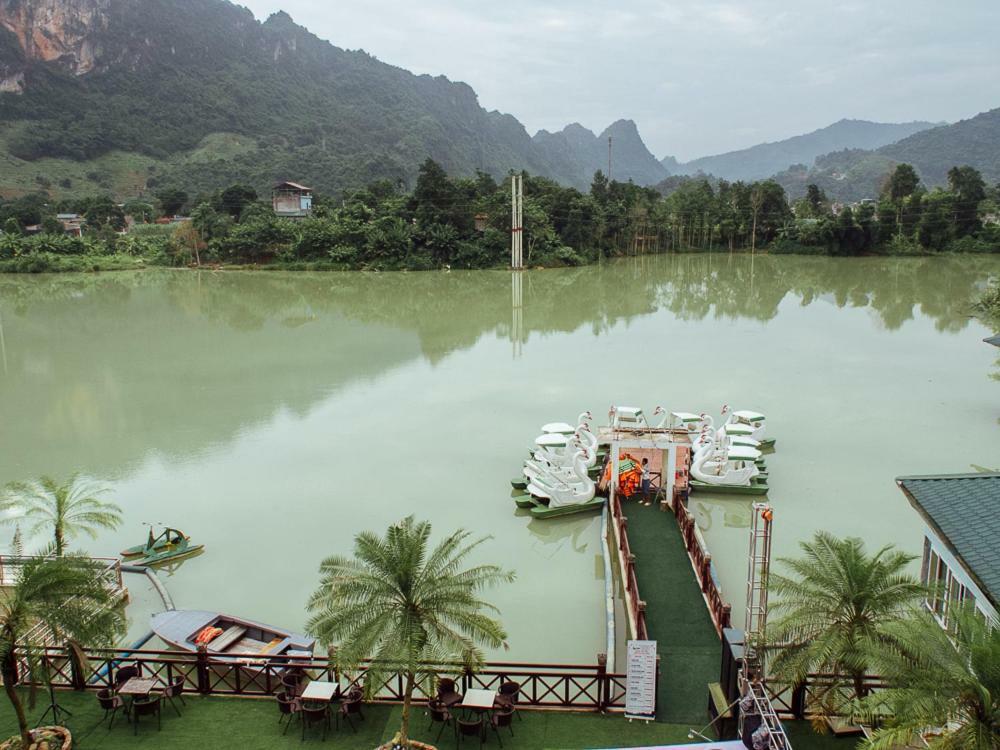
962, 540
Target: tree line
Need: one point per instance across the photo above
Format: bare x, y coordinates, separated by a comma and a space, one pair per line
464, 222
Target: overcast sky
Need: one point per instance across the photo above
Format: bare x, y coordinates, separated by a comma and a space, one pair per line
698, 77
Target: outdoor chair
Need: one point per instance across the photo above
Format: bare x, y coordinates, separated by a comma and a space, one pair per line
471, 728
146, 707
111, 703
509, 695
447, 694
351, 708
124, 674
175, 690
313, 714
288, 708
503, 717
292, 682
439, 714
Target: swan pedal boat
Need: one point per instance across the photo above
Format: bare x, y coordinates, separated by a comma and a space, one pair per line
756, 487
538, 510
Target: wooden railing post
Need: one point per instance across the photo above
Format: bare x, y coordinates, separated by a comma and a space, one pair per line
602, 682
799, 700
706, 572
204, 685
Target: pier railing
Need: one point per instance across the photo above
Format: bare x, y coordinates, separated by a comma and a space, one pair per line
588, 687
817, 694
634, 605
701, 560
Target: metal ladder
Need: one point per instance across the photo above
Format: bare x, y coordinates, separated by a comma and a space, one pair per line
752, 670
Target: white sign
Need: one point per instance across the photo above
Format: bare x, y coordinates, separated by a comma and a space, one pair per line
640, 687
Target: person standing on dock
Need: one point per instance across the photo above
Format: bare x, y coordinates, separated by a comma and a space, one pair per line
646, 482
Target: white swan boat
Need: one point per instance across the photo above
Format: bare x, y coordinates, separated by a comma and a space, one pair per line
562, 494
751, 424
731, 469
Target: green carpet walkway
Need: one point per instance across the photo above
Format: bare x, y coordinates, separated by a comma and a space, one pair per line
676, 616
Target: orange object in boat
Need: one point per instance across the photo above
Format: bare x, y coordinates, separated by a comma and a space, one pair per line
207, 635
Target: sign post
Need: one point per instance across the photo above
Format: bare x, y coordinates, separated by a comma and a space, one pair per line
640, 686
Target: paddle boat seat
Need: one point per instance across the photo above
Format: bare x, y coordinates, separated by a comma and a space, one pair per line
228, 638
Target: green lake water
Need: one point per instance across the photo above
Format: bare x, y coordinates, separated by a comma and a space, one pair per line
272, 416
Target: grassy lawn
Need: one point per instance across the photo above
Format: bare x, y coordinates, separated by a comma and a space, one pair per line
244, 724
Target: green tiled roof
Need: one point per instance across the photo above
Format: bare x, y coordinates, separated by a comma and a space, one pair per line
964, 510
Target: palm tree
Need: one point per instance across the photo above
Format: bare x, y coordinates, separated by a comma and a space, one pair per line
67, 509
69, 595
834, 610
940, 678
405, 606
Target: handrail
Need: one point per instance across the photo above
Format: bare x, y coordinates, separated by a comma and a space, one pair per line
543, 686
704, 569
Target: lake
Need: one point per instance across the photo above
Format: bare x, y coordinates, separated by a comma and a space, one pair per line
272, 416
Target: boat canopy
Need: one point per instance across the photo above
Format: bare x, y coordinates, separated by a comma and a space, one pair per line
749, 416
685, 416
563, 428
551, 440
739, 429
743, 453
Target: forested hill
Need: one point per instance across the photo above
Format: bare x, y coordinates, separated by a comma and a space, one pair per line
766, 159
853, 174
82, 79
975, 141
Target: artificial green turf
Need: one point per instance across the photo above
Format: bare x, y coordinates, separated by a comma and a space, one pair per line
676, 616
243, 724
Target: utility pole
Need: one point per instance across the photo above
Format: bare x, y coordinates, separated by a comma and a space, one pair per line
517, 222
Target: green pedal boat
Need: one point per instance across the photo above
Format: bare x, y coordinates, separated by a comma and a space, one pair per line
170, 545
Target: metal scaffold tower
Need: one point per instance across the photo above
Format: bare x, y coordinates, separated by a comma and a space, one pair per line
753, 671
517, 222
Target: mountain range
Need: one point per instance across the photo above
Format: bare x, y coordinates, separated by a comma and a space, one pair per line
126, 96
764, 160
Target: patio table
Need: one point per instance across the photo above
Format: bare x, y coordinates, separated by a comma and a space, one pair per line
322, 692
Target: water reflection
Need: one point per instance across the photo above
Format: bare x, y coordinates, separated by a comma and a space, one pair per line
80, 352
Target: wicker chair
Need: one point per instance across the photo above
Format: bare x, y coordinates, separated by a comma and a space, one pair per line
447, 694
351, 707
175, 689
313, 714
111, 704
146, 707
472, 728
509, 695
439, 714
288, 708
503, 717
124, 674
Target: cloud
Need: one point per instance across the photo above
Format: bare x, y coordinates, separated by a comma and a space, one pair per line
698, 77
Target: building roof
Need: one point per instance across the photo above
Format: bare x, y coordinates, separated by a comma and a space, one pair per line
995, 340
294, 186
964, 511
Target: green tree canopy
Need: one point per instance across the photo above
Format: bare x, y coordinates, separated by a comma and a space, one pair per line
66, 510
834, 608
67, 594
406, 605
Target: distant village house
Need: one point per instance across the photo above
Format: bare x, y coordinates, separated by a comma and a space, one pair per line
291, 200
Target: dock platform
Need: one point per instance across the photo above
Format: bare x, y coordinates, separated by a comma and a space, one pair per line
676, 616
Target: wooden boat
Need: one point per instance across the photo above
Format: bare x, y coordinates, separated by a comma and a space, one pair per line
225, 635
171, 544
